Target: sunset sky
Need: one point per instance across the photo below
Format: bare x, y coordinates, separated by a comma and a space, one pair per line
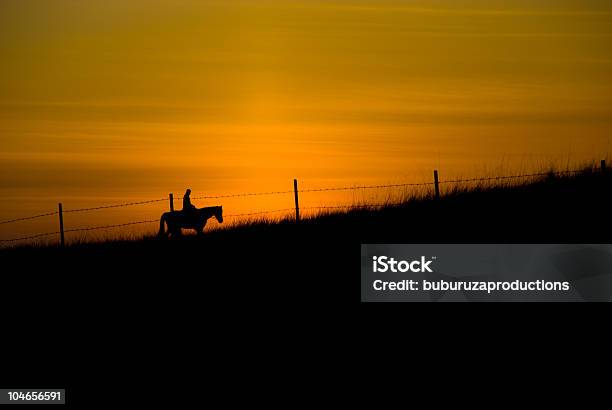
111, 100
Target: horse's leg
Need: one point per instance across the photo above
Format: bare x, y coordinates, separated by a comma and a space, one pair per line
200, 229
176, 232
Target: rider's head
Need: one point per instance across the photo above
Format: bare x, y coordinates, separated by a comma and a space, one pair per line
188, 192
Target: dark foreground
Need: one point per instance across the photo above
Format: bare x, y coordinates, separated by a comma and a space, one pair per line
162, 298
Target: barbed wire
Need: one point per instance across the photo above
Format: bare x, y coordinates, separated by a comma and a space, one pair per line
29, 217
510, 176
30, 237
114, 206
454, 181
258, 213
239, 195
347, 188
93, 228
351, 206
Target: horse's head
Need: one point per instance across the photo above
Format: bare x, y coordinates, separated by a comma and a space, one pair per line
218, 213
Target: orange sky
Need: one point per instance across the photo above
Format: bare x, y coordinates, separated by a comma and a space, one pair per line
114, 100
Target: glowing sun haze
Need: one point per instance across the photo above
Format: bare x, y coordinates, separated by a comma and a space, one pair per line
115, 99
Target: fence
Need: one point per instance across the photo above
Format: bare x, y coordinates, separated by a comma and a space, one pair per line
295, 191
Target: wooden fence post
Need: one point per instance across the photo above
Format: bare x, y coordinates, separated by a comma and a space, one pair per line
61, 222
603, 166
297, 206
171, 202
436, 184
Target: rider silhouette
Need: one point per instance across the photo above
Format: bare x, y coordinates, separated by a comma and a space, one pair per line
187, 205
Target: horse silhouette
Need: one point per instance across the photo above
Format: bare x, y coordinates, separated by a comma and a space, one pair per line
194, 219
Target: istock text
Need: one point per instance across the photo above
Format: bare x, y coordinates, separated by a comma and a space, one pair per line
386, 264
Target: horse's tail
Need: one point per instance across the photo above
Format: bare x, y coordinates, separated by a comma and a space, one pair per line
161, 224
